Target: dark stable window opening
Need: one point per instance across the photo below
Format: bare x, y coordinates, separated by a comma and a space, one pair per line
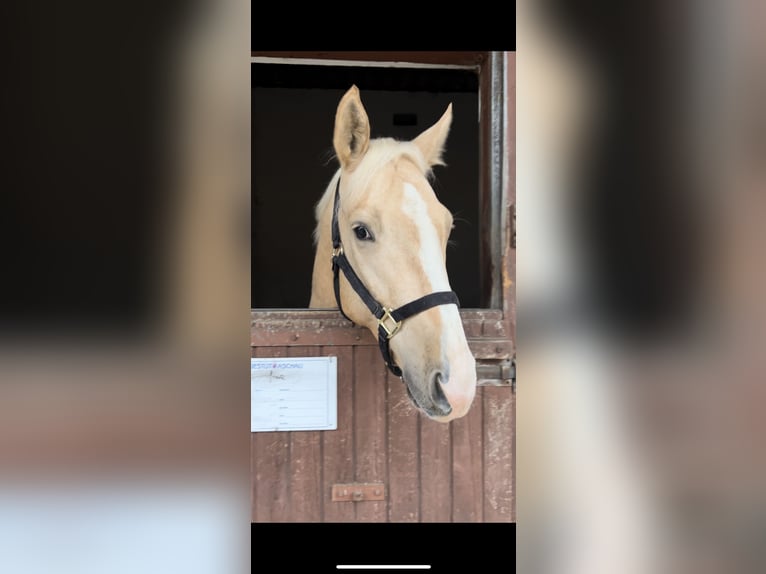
293, 113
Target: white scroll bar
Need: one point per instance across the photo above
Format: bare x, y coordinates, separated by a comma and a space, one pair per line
383, 567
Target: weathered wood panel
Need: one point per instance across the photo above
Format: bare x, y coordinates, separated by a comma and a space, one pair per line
499, 446
370, 428
432, 472
467, 464
403, 455
486, 330
435, 471
338, 445
305, 463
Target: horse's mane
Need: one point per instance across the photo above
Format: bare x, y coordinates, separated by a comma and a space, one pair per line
381, 152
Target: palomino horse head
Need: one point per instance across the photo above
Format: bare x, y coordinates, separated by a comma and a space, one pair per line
393, 232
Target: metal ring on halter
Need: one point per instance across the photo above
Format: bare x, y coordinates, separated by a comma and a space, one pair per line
387, 317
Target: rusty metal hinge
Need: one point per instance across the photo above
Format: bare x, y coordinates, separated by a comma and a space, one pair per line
356, 492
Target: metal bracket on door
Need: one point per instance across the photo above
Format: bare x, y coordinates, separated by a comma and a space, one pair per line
496, 373
357, 492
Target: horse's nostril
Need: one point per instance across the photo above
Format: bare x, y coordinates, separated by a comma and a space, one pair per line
440, 378
437, 394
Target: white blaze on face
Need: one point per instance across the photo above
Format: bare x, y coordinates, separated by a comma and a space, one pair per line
461, 386
430, 254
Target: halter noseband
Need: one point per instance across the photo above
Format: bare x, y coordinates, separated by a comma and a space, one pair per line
389, 320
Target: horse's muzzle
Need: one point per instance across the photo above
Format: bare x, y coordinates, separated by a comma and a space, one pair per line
433, 402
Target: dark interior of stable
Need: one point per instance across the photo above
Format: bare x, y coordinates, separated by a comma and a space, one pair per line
293, 112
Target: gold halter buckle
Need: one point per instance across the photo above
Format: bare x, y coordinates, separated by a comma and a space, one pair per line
337, 251
387, 317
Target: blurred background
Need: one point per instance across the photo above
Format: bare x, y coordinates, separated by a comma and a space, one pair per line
124, 287
641, 167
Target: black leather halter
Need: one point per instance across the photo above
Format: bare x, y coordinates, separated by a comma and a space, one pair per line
389, 320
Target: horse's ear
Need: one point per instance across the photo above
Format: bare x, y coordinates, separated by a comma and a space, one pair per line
431, 142
352, 130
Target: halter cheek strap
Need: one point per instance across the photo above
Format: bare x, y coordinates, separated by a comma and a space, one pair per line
389, 320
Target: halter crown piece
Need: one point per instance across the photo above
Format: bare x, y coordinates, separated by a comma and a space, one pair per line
389, 320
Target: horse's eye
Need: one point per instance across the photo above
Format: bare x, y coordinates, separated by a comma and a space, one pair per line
362, 233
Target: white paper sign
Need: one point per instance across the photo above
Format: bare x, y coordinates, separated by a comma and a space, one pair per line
293, 393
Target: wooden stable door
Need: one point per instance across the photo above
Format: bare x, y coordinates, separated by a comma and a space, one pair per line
430, 472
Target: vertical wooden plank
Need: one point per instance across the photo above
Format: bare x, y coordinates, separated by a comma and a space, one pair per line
305, 463
271, 466
370, 428
435, 471
403, 487
467, 464
498, 454
338, 445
